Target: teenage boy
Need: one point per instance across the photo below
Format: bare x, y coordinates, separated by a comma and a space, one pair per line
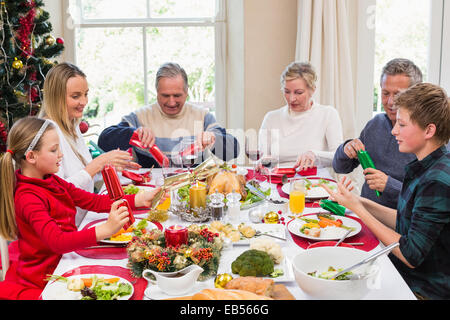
421, 223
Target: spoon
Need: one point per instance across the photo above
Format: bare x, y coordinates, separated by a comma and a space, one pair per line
369, 259
343, 237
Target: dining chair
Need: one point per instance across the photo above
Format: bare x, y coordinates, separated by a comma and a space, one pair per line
4, 258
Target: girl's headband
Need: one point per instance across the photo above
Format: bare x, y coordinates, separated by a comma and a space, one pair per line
38, 136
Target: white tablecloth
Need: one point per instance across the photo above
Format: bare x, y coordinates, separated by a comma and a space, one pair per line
391, 284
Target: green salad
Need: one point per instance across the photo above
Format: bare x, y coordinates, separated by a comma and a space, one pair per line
329, 275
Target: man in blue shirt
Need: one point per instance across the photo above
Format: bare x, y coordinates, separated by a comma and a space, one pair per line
377, 140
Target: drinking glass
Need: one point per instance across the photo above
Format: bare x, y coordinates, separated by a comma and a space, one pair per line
190, 152
297, 192
253, 152
268, 163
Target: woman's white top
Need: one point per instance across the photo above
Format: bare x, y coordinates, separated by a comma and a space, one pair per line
291, 134
72, 169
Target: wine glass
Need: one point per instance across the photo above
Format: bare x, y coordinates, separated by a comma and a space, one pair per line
190, 152
253, 151
269, 162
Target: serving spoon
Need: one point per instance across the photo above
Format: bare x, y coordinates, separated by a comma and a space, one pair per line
369, 259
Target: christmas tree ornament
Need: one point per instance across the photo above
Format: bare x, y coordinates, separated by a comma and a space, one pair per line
84, 127
50, 40
17, 64
59, 40
221, 280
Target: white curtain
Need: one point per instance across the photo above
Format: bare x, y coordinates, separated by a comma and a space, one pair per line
323, 39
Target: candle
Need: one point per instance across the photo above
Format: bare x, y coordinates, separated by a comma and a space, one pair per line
197, 196
176, 236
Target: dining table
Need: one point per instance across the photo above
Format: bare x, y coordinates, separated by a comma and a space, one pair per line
389, 285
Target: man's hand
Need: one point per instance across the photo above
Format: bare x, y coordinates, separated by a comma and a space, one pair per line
146, 136
206, 139
352, 147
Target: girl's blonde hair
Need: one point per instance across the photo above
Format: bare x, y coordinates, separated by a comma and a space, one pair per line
19, 138
54, 105
297, 70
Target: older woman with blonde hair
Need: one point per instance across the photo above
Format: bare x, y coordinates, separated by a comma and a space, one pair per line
304, 132
65, 97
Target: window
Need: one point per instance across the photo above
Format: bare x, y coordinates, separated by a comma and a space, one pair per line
120, 46
402, 31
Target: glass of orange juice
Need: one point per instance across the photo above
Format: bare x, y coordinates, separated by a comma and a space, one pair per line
297, 192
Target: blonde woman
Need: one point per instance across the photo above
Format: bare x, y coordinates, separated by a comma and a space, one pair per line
303, 133
65, 97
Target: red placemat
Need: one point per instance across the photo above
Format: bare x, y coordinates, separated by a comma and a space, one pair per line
115, 253
365, 236
139, 284
276, 178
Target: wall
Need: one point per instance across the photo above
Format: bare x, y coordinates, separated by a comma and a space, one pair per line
270, 31
55, 9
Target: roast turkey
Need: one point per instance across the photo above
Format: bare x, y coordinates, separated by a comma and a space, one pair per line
226, 182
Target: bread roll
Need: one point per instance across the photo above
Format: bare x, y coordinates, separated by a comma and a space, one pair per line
253, 284
227, 294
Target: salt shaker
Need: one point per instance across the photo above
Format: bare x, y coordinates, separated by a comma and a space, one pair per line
217, 205
234, 207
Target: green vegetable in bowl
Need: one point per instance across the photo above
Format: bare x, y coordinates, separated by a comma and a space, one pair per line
329, 275
253, 263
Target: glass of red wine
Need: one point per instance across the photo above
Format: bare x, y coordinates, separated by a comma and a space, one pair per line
253, 152
269, 162
190, 153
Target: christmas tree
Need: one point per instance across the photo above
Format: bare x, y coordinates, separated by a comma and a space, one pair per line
26, 45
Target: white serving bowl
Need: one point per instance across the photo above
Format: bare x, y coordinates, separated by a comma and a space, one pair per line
320, 259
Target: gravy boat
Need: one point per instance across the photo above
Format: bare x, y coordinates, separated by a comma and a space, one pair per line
175, 283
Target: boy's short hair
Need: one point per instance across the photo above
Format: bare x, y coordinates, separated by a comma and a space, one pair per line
427, 103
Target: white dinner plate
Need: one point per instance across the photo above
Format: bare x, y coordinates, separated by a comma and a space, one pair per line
326, 233
150, 226
57, 290
315, 193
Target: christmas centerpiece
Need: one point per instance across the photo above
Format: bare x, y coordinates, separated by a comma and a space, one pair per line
152, 251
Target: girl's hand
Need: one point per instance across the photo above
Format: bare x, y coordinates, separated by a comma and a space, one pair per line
117, 218
305, 161
344, 196
144, 199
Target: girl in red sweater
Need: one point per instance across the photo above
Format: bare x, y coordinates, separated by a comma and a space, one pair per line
38, 208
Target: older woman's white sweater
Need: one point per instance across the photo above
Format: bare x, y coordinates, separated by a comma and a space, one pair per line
290, 134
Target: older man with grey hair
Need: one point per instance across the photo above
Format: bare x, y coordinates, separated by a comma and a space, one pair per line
377, 140
168, 122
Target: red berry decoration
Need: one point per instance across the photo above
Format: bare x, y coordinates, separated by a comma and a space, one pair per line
60, 41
